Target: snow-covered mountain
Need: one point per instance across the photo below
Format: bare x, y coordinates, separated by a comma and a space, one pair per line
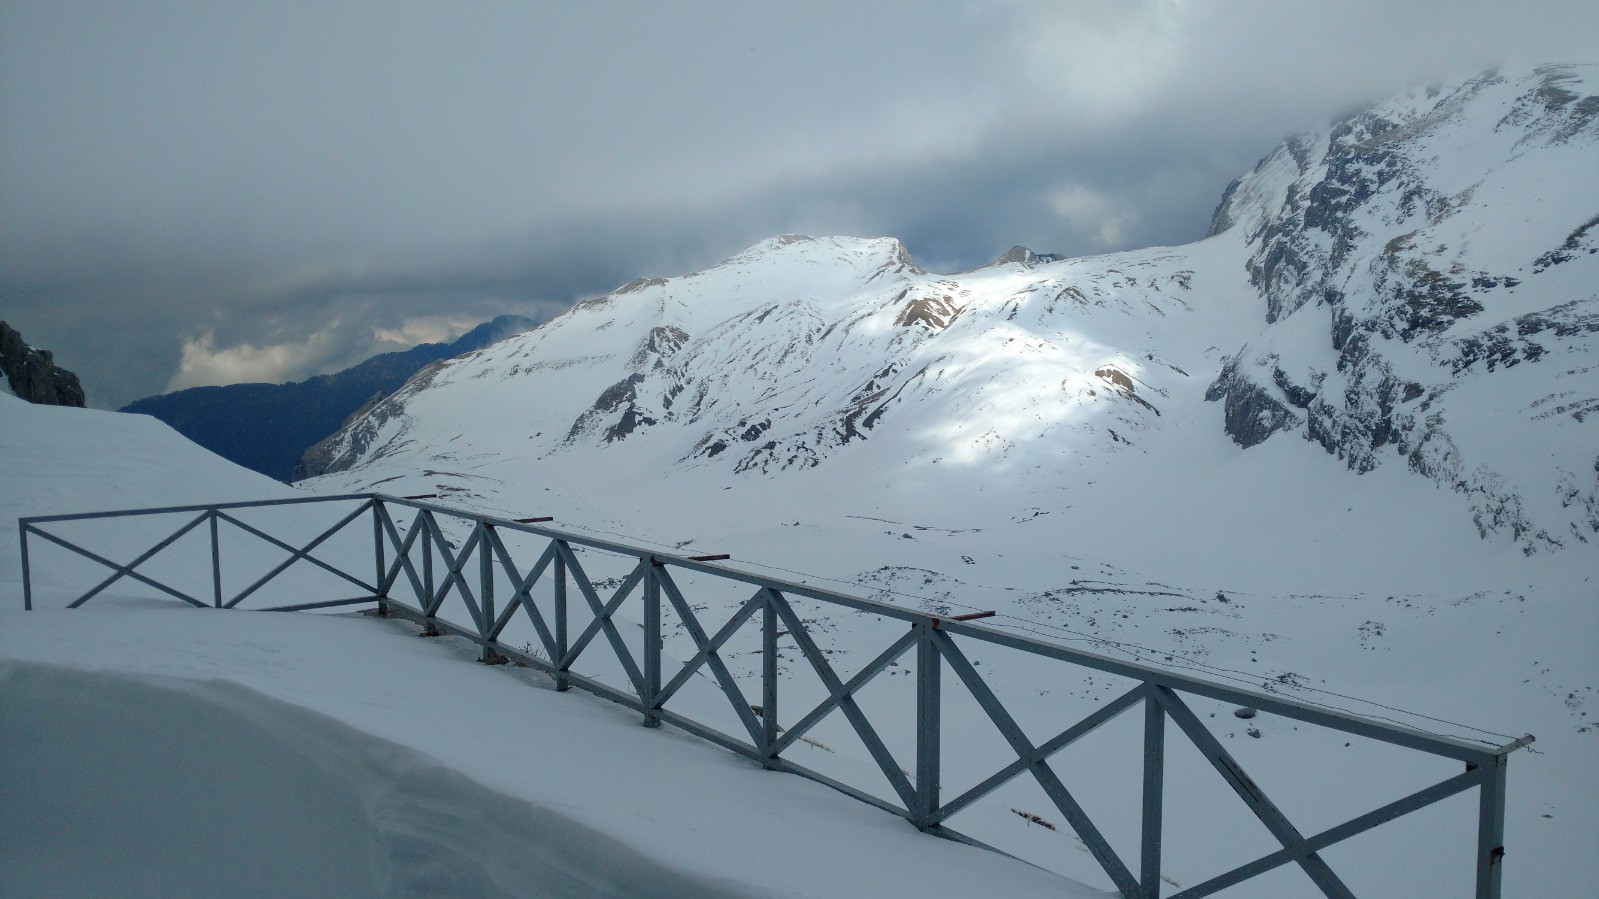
1413, 286
1429, 273
790, 354
1348, 441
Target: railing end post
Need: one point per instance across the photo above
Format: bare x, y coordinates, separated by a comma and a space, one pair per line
27, 577
1491, 828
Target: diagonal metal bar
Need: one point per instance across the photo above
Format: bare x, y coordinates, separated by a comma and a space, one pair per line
453, 563
402, 553
421, 582
1097, 845
257, 532
857, 718
435, 593
295, 556
741, 615
125, 570
602, 613
122, 571
707, 656
1263, 808
1353, 827
1067, 737
853, 685
523, 595
602, 616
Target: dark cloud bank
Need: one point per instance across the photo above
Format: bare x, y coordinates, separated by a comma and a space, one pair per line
194, 192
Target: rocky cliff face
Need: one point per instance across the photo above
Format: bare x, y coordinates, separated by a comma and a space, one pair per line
33, 375
1418, 261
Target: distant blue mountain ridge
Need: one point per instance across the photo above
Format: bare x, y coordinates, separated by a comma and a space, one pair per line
267, 427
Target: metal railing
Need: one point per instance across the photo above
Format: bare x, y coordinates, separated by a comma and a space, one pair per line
936, 641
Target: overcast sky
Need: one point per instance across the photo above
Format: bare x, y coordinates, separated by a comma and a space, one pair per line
206, 192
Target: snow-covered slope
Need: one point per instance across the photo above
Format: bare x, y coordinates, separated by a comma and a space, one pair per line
1035, 437
152, 749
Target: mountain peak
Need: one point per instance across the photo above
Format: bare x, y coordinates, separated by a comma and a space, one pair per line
1024, 257
891, 252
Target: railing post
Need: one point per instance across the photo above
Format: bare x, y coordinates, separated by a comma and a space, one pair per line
216, 560
377, 557
486, 593
1491, 830
561, 683
652, 643
768, 681
428, 627
427, 563
929, 719
27, 577
1154, 786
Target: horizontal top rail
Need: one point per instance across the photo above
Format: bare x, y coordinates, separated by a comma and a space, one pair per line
206, 507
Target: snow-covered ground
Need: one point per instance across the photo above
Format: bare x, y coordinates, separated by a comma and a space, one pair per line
151, 749
169, 751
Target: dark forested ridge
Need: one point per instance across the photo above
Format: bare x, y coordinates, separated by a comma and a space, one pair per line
266, 427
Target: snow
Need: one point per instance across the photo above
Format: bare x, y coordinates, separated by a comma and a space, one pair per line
165, 750
285, 754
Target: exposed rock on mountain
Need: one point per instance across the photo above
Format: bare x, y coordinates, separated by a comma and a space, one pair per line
1418, 254
267, 427
33, 375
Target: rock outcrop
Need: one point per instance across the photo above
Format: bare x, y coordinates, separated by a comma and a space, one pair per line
33, 375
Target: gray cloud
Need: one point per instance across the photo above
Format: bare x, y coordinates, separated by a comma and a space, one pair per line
258, 172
